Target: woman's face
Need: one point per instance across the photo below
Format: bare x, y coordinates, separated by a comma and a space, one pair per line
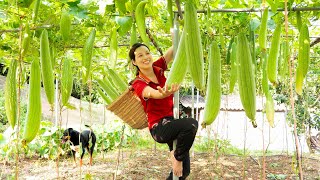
143, 58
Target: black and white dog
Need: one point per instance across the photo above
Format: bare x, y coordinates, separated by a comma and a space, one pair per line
87, 139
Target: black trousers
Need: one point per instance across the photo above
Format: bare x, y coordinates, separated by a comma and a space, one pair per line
184, 131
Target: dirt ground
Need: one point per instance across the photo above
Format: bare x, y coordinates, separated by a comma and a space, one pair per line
155, 165
150, 164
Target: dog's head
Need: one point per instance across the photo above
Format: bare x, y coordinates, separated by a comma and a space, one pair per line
66, 135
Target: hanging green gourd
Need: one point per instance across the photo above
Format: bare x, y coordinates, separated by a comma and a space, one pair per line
246, 78
193, 45
113, 47
179, 67
10, 94
140, 20
46, 67
87, 56
213, 94
303, 57
272, 63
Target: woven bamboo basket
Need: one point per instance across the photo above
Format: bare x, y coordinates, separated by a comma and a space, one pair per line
128, 107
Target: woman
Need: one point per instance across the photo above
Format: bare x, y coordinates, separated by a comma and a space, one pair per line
157, 100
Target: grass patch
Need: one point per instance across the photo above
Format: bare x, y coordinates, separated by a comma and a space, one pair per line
143, 140
220, 146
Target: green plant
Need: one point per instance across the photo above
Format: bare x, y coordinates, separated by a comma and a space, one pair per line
220, 146
276, 176
306, 106
46, 144
274, 165
3, 117
78, 88
109, 136
144, 141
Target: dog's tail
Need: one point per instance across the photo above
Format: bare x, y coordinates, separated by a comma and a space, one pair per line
88, 126
92, 137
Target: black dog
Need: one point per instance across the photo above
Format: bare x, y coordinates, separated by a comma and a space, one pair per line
87, 139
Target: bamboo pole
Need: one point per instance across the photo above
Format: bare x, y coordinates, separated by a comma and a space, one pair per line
244, 158
292, 98
19, 105
264, 57
263, 175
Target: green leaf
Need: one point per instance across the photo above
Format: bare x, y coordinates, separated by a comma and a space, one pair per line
134, 4
78, 12
233, 4
70, 106
88, 177
125, 24
110, 8
72, 3
1, 137
215, 4
254, 24
273, 5
121, 5
25, 3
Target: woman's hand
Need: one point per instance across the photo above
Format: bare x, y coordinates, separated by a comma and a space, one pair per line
160, 93
166, 91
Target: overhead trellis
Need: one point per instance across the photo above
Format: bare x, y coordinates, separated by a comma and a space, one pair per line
255, 10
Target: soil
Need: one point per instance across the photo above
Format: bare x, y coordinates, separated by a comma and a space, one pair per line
151, 164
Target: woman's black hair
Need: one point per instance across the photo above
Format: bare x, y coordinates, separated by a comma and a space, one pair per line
133, 49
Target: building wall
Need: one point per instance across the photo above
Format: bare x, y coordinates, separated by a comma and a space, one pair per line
236, 127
